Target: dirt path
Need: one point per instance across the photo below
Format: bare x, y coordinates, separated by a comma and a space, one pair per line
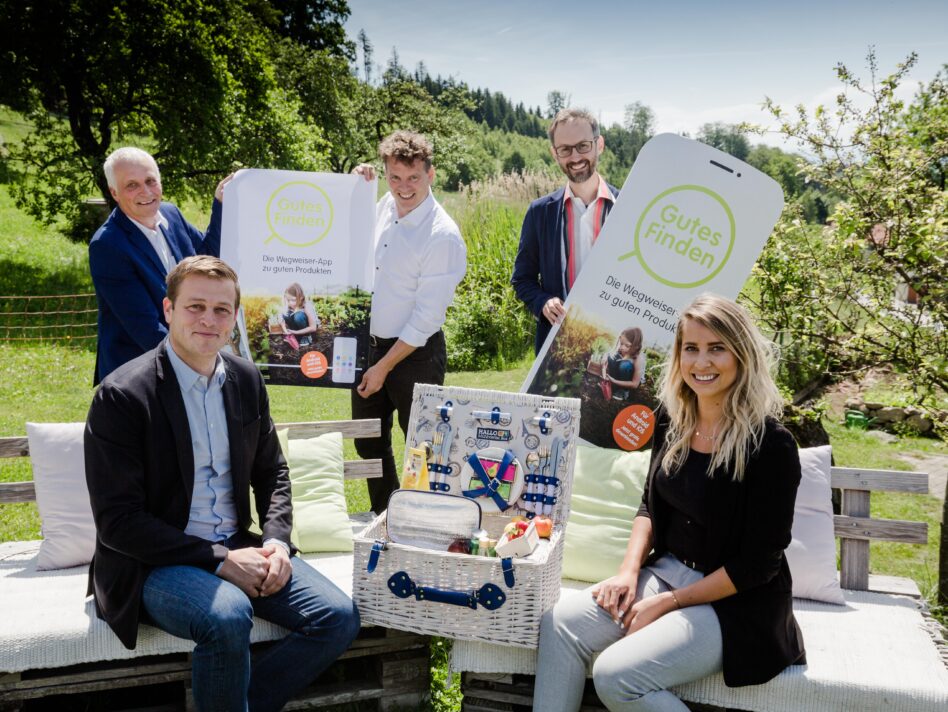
937, 468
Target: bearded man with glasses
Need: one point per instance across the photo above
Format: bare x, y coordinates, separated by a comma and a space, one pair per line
560, 229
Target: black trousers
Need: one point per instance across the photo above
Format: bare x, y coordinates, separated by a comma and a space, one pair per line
426, 364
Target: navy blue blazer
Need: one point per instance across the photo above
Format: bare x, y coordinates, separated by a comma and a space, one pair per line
538, 273
129, 280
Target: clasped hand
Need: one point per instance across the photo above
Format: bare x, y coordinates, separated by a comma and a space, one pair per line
616, 596
257, 571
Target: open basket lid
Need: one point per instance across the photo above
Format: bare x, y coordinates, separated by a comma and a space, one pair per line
430, 520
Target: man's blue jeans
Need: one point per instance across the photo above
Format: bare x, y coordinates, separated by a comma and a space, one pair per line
192, 603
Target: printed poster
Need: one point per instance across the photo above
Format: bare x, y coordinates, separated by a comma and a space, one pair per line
689, 219
302, 245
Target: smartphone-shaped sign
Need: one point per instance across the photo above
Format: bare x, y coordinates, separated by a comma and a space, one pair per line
689, 219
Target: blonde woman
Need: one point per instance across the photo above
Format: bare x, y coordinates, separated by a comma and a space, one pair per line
704, 586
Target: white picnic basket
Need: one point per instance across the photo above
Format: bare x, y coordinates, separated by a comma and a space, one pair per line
459, 595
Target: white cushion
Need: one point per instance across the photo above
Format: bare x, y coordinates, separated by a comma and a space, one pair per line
812, 552
59, 475
48, 621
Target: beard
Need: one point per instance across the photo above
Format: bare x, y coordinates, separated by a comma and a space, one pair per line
580, 171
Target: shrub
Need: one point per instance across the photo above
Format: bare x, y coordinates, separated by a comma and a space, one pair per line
487, 327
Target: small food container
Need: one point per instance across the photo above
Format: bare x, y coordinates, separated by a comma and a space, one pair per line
521, 546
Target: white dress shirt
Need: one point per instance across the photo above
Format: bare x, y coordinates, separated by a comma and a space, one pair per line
584, 217
419, 261
158, 241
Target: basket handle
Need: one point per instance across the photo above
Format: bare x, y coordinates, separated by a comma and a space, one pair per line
489, 596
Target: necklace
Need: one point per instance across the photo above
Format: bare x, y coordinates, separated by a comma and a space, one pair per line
707, 438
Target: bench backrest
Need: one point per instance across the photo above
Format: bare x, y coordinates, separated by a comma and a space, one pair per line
854, 527
11, 492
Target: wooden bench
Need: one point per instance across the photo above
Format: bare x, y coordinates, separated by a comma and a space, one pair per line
386, 666
849, 665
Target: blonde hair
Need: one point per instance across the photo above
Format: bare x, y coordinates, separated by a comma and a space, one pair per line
296, 290
751, 400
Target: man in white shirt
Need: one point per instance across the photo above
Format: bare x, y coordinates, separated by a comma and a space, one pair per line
560, 229
132, 253
420, 258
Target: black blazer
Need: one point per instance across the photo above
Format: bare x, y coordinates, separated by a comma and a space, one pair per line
538, 267
140, 473
748, 530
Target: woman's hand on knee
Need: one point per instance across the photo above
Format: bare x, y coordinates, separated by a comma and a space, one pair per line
648, 610
616, 594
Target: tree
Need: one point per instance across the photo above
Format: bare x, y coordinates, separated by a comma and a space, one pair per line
89, 75
639, 120
367, 52
556, 101
831, 296
725, 137
316, 24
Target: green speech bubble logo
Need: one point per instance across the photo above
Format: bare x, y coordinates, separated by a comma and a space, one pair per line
299, 214
684, 237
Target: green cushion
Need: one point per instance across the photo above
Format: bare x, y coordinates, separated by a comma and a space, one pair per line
607, 489
320, 517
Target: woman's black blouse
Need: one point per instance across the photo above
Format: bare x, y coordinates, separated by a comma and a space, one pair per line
747, 531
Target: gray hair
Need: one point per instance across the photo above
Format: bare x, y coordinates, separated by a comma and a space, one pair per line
127, 154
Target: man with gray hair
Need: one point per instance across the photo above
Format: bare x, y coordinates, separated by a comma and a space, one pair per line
132, 253
560, 229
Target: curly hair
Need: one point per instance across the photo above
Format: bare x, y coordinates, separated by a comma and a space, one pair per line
406, 147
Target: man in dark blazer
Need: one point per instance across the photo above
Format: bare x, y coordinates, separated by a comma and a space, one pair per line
132, 253
560, 228
175, 441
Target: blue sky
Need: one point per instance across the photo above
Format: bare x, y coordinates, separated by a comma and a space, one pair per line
692, 62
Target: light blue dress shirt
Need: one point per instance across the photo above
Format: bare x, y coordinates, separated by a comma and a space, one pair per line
213, 509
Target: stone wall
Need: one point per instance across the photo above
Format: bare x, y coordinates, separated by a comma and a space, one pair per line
899, 418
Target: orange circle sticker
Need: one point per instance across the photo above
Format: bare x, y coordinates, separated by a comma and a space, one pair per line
314, 364
633, 427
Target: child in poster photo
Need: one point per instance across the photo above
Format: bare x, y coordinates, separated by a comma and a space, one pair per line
624, 368
299, 321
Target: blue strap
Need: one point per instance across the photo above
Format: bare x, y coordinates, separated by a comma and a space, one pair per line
490, 485
445, 411
488, 596
507, 565
377, 548
495, 415
545, 424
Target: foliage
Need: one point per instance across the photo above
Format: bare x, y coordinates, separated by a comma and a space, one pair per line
37, 260
444, 696
91, 75
839, 300
725, 137
487, 326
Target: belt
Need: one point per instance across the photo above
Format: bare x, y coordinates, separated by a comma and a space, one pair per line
378, 342
691, 563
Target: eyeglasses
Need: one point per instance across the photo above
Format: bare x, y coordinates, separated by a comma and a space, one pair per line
582, 147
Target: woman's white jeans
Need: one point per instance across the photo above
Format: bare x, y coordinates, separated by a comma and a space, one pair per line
632, 672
